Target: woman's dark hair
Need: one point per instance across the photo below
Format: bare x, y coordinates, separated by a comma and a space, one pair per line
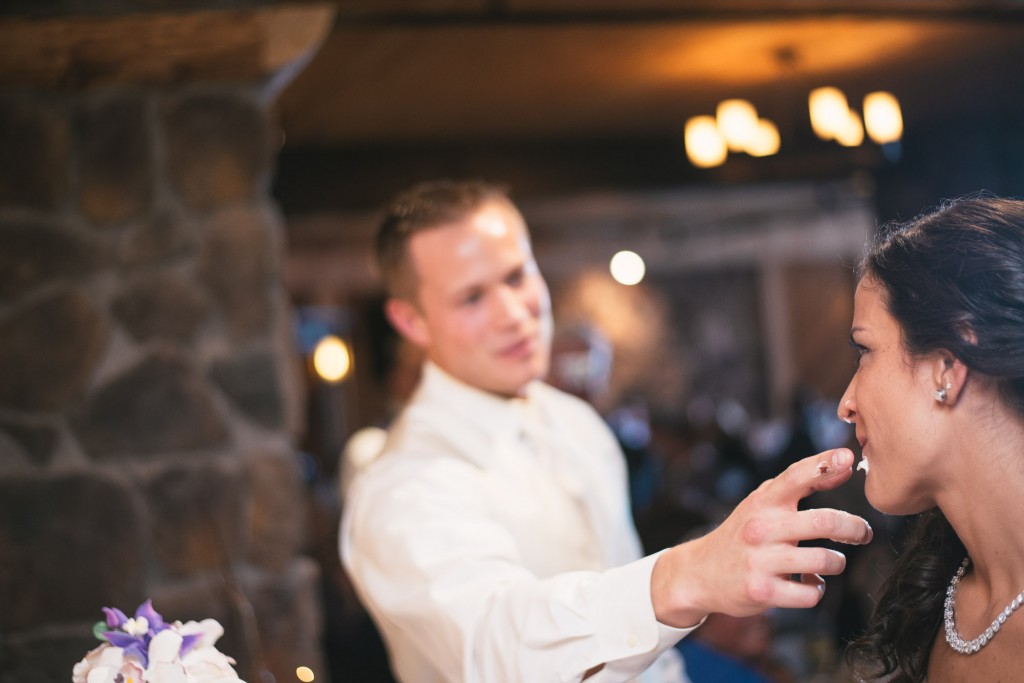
954, 280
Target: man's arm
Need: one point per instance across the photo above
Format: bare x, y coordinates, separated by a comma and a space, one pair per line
447, 585
744, 566
448, 582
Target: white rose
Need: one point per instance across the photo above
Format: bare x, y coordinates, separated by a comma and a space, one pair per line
88, 663
166, 672
208, 665
103, 664
164, 647
209, 631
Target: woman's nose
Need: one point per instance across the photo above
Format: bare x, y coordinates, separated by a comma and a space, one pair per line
847, 410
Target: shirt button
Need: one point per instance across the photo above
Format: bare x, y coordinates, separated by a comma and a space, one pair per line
631, 641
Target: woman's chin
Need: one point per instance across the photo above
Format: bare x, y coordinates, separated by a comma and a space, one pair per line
877, 499
887, 506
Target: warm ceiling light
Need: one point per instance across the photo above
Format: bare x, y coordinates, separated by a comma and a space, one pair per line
766, 142
705, 146
829, 112
882, 117
331, 359
627, 268
737, 122
852, 134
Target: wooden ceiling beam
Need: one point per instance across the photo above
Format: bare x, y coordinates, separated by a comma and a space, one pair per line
251, 44
558, 12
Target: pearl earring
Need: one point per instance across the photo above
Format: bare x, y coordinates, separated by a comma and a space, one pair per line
941, 394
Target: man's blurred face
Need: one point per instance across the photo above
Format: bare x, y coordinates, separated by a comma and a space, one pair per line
482, 309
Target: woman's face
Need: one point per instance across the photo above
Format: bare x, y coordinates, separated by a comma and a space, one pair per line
891, 401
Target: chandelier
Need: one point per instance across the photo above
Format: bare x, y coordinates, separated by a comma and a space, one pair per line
736, 126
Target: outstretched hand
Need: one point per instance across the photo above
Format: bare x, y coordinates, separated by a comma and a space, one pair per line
746, 564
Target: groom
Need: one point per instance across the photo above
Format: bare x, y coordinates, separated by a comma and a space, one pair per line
492, 540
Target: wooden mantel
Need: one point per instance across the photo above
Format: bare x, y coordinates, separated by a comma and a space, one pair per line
166, 47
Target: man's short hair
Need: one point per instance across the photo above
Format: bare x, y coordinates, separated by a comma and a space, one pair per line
426, 205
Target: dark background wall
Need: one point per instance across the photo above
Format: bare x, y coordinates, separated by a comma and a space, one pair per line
177, 181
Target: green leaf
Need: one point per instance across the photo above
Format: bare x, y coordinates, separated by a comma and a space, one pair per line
99, 628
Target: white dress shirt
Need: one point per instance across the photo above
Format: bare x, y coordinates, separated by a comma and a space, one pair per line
492, 543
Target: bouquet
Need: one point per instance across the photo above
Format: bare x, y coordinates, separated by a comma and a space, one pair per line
145, 649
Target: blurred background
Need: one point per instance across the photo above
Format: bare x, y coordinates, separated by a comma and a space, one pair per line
193, 357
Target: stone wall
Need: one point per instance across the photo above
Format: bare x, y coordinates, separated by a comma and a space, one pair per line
149, 399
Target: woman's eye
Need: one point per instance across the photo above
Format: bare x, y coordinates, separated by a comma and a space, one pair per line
859, 349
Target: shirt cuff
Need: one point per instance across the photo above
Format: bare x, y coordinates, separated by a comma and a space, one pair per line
629, 638
626, 612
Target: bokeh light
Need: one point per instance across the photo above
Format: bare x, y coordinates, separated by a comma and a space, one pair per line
331, 359
627, 268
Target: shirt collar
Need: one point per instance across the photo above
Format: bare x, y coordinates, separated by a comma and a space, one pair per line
480, 410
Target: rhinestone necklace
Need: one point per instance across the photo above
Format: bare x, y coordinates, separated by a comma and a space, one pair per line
969, 647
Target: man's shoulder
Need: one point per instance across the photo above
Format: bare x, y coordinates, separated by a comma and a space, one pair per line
556, 399
425, 422
541, 390
416, 454
424, 434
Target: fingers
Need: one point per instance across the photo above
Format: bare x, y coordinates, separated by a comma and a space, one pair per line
815, 580
785, 592
745, 565
772, 584
807, 525
812, 589
775, 587
807, 561
819, 472
828, 524
804, 591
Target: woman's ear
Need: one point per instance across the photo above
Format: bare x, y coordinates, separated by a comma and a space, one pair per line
407, 319
950, 375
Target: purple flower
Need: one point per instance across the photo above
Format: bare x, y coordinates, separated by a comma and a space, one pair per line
115, 617
156, 622
134, 635
189, 641
132, 645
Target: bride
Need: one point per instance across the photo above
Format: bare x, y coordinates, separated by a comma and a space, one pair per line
938, 404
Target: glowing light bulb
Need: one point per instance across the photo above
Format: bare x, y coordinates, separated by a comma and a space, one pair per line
767, 140
883, 117
829, 111
705, 146
627, 268
331, 359
737, 122
851, 134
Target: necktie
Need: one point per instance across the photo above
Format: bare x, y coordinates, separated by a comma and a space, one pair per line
544, 443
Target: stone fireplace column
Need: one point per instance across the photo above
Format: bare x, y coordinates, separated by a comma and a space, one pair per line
149, 397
